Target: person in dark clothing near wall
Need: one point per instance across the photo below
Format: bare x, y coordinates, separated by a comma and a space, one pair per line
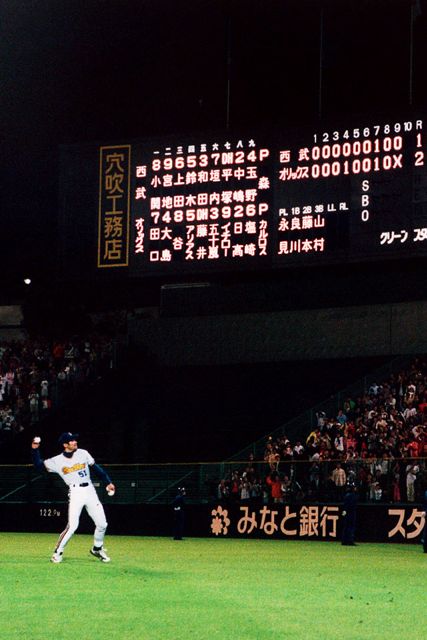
178, 514
349, 514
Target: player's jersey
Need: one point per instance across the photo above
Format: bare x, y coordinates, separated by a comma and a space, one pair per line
74, 470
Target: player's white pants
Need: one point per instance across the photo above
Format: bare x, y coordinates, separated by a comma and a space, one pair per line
83, 497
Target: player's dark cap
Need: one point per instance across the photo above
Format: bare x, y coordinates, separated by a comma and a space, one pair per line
67, 437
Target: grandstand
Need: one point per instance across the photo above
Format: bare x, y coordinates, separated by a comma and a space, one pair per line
144, 481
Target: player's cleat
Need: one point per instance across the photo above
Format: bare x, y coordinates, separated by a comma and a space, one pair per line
100, 553
56, 558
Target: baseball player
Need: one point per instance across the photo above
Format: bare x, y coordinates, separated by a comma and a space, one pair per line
73, 467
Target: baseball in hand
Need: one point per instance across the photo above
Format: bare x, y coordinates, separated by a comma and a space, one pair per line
37, 440
111, 492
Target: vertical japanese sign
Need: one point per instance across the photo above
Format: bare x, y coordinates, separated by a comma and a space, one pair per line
114, 206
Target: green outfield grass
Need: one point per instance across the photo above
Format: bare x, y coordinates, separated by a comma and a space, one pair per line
155, 588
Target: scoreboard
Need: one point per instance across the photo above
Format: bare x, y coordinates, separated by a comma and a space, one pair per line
225, 202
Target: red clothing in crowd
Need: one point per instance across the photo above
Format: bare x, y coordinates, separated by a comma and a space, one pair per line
275, 485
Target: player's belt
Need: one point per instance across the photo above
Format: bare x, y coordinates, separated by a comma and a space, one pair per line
83, 484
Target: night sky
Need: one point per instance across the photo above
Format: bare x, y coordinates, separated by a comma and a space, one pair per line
112, 70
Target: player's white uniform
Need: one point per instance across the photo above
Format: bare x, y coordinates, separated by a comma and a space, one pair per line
75, 473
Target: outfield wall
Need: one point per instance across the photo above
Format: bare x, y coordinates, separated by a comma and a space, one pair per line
375, 523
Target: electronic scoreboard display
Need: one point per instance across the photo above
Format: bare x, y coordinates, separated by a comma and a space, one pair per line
225, 202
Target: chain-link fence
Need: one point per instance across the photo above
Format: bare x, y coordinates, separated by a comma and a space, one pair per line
379, 480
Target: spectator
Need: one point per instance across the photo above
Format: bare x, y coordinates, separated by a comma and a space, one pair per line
396, 496
245, 490
314, 478
286, 488
411, 476
298, 451
235, 486
33, 397
321, 419
255, 493
251, 468
275, 484
339, 441
271, 455
339, 479
341, 418
223, 492
377, 492
373, 389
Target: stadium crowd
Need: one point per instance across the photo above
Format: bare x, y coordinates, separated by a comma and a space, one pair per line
37, 375
377, 442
